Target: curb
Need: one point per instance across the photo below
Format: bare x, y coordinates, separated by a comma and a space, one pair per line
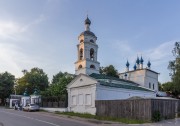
95, 121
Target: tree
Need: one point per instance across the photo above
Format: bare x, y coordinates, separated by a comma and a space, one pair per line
109, 71
36, 78
58, 85
6, 85
167, 87
58, 76
160, 87
174, 66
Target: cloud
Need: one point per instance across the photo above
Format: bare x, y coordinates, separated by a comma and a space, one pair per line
12, 29
159, 56
34, 22
13, 60
8, 29
161, 52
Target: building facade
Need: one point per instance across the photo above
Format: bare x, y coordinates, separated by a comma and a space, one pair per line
140, 75
89, 86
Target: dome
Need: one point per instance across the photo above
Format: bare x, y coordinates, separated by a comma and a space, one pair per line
25, 92
127, 64
87, 21
149, 64
141, 60
135, 67
88, 33
137, 61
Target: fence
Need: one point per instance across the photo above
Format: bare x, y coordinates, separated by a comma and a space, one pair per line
141, 109
54, 102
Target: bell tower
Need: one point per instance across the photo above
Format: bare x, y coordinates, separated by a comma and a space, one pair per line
87, 52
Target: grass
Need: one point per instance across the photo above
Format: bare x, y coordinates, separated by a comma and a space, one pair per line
89, 116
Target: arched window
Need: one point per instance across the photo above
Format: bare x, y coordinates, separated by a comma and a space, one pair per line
92, 41
81, 40
92, 67
92, 54
80, 66
81, 54
149, 85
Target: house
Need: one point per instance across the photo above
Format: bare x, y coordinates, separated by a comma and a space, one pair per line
84, 90
89, 85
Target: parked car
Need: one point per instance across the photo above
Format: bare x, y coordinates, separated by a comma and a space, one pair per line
31, 107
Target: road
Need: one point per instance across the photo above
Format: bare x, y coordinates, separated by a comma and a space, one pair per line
9, 117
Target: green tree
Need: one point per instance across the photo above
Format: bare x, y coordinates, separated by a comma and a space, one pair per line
36, 78
160, 86
167, 87
174, 66
109, 71
58, 85
6, 85
58, 76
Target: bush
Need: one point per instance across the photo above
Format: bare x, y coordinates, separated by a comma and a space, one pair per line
156, 116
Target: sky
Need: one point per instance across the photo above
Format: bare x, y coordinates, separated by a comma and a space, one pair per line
44, 33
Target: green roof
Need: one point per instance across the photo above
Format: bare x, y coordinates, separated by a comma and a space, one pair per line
102, 76
131, 87
120, 83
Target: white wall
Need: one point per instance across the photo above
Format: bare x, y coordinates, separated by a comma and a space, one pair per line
25, 100
82, 99
54, 109
110, 93
151, 78
143, 77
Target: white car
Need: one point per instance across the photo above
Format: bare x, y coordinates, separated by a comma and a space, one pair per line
31, 107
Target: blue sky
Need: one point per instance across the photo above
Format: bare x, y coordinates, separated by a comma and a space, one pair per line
43, 33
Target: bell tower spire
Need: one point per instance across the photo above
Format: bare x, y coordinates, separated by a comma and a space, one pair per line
87, 52
87, 23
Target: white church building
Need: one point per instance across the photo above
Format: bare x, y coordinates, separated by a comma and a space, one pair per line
89, 85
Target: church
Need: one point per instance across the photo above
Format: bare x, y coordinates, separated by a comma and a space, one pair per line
89, 85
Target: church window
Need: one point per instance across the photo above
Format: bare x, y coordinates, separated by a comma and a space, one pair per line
92, 54
81, 54
81, 40
92, 41
92, 66
80, 66
153, 86
149, 85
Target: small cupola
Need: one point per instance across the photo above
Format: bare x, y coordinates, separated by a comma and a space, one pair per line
25, 92
127, 64
141, 63
135, 67
141, 60
149, 64
137, 61
87, 21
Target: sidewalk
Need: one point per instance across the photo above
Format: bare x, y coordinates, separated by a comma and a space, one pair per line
169, 122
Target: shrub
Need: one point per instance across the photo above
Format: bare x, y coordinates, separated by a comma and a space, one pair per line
156, 116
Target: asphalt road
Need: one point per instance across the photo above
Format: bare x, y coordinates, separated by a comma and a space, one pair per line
9, 117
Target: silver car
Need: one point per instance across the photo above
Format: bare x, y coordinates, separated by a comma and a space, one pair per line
31, 107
